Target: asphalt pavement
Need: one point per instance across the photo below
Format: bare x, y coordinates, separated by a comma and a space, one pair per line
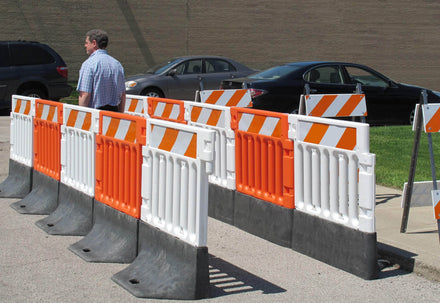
37, 267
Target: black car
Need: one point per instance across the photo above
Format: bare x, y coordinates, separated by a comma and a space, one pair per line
180, 77
279, 89
31, 69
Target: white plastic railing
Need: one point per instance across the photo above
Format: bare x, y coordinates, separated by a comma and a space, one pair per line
136, 105
334, 171
78, 144
217, 118
22, 130
175, 172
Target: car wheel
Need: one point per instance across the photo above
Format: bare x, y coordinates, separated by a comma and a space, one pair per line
34, 93
152, 92
411, 117
295, 111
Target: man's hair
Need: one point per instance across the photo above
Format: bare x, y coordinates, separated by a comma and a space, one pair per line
99, 36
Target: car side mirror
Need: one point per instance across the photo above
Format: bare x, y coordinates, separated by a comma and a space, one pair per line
172, 73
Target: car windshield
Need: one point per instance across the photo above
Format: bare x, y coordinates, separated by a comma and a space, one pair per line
160, 68
275, 72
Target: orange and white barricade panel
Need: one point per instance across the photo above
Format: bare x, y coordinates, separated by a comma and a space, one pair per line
136, 105
334, 171
78, 143
217, 118
436, 203
166, 109
118, 161
227, 97
341, 105
22, 127
263, 155
176, 162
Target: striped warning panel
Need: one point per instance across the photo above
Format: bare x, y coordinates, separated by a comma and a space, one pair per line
207, 116
343, 105
174, 140
260, 124
49, 110
21, 105
328, 135
134, 105
431, 117
436, 203
78, 119
122, 129
166, 109
228, 97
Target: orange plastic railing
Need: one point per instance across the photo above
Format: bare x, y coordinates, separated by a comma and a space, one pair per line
47, 137
119, 161
166, 109
263, 156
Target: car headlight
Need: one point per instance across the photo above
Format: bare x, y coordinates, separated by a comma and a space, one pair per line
130, 84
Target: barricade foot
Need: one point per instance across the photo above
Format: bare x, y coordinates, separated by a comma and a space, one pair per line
263, 219
73, 216
112, 239
19, 181
221, 203
339, 246
43, 199
166, 268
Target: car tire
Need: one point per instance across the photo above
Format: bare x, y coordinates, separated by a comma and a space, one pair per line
34, 93
295, 111
412, 115
152, 92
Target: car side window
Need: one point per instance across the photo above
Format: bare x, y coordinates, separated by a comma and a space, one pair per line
364, 77
189, 67
30, 55
218, 66
325, 74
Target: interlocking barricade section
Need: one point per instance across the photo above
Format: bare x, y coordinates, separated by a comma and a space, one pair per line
176, 161
334, 171
166, 109
47, 137
263, 155
22, 127
78, 141
118, 161
217, 118
136, 105
227, 97
341, 105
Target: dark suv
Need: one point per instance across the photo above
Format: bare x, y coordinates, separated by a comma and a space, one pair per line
31, 69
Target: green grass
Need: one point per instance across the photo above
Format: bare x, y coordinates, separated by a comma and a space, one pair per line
73, 98
393, 146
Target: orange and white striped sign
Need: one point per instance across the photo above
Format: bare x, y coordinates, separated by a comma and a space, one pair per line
174, 140
328, 135
436, 203
260, 124
118, 128
49, 110
21, 105
212, 116
228, 97
134, 104
78, 119
343, 105
431, 117
166, 109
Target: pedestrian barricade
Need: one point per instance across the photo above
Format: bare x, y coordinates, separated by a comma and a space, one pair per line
113, 237
166, 109
227, 97
73, 215
136, 105
334, 181
340, 105
173, 256
19, 181
43, 198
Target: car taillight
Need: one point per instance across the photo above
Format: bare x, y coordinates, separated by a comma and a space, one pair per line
256, 92
63, 71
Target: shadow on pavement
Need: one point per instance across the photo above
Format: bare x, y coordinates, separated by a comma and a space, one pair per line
227, 279
401, 262
384, 198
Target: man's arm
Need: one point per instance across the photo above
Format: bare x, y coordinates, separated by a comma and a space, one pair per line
121, 107
84, 98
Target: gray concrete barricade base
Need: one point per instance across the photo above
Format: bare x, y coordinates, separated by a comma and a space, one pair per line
342, 247
166, 268
221, 203
43, 199
112, 239
73, 216
19, 181
263, 219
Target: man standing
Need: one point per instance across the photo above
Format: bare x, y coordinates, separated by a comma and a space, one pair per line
101, 77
